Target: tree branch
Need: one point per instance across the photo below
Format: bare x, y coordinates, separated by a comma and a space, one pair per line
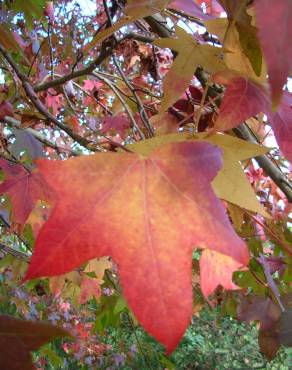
15, 123
18, 254
30, 92
105, 53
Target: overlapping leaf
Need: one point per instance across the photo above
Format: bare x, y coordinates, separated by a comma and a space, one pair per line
18, 338
274, 21
231, 184
211, 273
189, 7
234, 55
191, 54
134, 10
239, 18
24, 188
168, 205
281, 122
244, 98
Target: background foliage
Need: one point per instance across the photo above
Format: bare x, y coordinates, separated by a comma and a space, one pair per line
170, 124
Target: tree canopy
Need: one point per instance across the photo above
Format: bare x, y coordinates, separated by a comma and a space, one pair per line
145, 150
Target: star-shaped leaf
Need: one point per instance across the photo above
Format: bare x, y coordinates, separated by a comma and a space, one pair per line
147, 212
24, 188
244, 98
191, 55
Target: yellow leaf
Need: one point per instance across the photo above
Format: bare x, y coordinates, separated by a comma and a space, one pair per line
231, 183
236, 215
234, 56
57, 283
98, 266
143, 8
134, 10
191, 55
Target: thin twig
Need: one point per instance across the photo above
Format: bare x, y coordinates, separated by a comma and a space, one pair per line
270, 281
14, 252
139, 103
122, 100
30, 92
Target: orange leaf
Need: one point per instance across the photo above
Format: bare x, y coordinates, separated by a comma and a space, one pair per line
212, 272
147, 212
89, 288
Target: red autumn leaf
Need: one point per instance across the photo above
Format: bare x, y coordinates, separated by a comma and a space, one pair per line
119, 124
169, 207
256, 308
242, 100
274, 21
285, 328
19, 337
6, 109
90, 85
281, 122
267, 313
89, 288
212, 274
189, 7
24, 189
184, 105
196, 94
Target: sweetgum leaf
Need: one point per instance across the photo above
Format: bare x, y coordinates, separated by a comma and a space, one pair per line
19, 337
191, 54
147, 212
281, 122
234, 56
231, 184
25, 141
274, 21
134, 10
244, 98
237, 15
24, 189
285, 328
212, 274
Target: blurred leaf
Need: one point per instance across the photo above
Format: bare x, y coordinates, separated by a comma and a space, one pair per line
18, 338
285, 328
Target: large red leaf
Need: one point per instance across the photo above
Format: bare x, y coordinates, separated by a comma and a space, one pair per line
274, 21
19, 337
147, 212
